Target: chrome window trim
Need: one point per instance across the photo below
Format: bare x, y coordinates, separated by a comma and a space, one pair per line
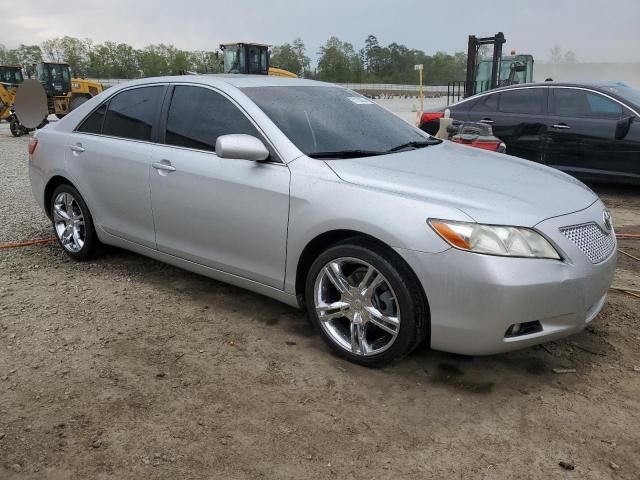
279, 161
493, 92
624, 105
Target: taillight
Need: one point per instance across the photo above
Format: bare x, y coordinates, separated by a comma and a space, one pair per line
430, 116
33, 143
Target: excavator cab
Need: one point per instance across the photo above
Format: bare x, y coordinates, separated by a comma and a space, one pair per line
55, 78
11, 75
246, 58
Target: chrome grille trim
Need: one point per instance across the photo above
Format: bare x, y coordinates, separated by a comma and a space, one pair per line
592, 240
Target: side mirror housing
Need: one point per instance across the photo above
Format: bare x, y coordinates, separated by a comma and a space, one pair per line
241, 147
622, 127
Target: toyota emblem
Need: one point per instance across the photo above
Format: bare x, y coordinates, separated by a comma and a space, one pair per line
606, 218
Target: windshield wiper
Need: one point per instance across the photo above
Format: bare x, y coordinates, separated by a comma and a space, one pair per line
345, 154
414, 144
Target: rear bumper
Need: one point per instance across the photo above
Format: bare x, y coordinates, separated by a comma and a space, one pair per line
37, 185
474, 299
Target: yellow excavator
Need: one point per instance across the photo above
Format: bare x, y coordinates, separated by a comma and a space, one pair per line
250, 59
64, 94
10, 78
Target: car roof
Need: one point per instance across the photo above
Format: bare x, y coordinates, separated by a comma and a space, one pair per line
607, 88
603, 86
235, 80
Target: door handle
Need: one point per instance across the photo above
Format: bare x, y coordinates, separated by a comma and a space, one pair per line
561, 126
77, 148
486, 120
166, 166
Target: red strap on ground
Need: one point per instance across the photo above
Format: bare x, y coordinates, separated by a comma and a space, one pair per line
6, 246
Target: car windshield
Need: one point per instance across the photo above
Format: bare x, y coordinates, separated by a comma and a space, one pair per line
322, 121
627, 92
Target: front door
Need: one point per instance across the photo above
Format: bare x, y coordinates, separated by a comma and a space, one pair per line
581, 133
231, 215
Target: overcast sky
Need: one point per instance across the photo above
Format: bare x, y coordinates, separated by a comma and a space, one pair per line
596, 30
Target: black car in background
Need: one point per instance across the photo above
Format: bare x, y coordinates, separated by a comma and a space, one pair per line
591, 131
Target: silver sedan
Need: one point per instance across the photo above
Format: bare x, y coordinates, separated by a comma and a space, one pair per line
313, 195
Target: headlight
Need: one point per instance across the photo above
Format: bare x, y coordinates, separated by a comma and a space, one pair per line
494, 240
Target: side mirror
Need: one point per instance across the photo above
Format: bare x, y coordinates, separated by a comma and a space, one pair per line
623, 126
241, 147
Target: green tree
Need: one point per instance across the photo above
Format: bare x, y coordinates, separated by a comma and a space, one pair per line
301, 53
284, 56
205, 62
339, 62
152, 61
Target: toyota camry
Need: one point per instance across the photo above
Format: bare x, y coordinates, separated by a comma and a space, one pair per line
316, 196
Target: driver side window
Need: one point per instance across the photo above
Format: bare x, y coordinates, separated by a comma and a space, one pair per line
198, 116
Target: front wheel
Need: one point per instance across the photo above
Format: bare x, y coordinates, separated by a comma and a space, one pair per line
73, 224
366, 303
15, 127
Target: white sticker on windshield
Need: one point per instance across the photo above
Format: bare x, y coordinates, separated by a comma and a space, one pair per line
360, 101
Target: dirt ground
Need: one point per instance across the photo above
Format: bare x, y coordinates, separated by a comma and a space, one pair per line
126, 368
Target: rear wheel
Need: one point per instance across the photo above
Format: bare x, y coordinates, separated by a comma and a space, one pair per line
72, 223
366, 303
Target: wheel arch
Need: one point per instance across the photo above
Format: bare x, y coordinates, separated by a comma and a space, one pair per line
53, 183
323, 241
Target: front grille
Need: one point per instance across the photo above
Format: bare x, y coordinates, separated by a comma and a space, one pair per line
594, 242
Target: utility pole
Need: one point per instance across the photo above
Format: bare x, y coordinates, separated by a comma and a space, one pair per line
420, 68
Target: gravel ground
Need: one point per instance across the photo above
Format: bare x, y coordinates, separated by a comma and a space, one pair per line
128, 368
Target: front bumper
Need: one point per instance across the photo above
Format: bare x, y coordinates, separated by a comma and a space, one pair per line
474, 299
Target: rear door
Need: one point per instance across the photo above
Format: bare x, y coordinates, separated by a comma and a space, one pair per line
517, 117
110, 152
581, 134
231, 215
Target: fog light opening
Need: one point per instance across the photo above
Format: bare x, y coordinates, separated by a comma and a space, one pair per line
520, 329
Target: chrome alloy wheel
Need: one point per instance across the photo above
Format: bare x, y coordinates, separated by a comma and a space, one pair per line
356, 306
69, 222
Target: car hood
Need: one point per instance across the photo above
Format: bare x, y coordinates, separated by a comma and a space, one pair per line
489, 187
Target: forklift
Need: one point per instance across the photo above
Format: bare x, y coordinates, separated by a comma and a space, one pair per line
250, 59
64, 94
486, 73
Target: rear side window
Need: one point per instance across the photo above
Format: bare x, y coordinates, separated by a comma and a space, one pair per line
487, 104
567, 102
198, 116
522, 100
132, 113
93, 123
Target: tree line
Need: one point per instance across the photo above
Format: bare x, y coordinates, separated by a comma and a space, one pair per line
338, 61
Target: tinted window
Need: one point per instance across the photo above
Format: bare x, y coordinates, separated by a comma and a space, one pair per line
93, 124
332, 119
525, 100
568, 102
131, 114
487, 104
198, 116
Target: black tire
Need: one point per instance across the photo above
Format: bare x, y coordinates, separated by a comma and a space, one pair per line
76, 102
414, 311
91, 243
16, 128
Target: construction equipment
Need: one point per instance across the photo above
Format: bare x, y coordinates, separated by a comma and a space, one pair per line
64, 94
10, 78
251, 59
485, 73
